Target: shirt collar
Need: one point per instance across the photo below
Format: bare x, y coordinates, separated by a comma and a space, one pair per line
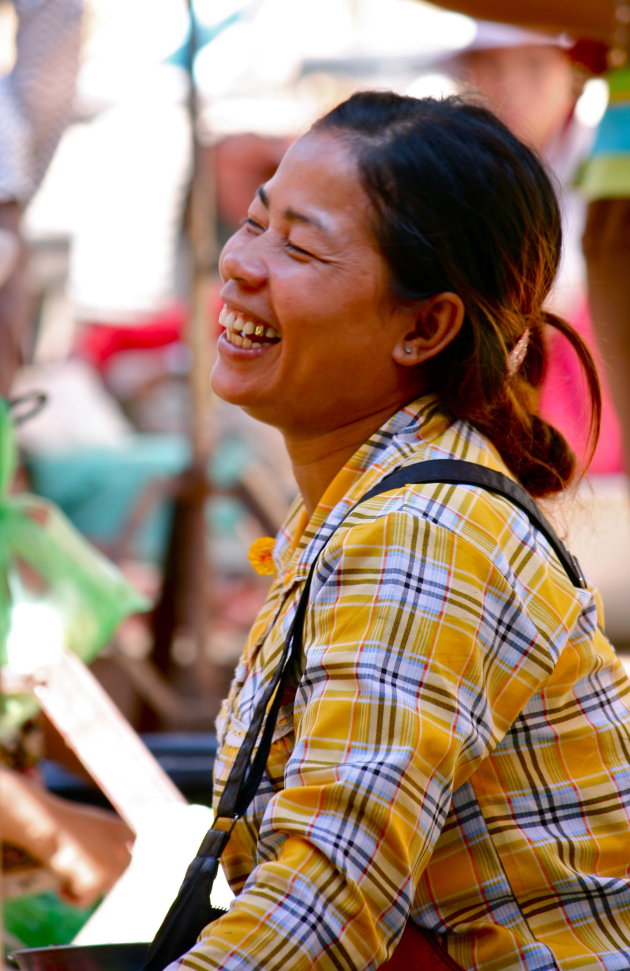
401, 437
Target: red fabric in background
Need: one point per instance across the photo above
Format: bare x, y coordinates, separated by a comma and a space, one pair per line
564, 401
99, 341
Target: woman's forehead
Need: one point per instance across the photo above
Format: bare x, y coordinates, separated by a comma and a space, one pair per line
317, 183
317, 165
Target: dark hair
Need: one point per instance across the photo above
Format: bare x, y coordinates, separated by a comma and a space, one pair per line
461, 205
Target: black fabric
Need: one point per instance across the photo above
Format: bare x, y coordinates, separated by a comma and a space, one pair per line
191, 910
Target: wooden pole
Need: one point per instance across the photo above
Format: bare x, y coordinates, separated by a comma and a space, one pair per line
203, 257
201, 339
181, 617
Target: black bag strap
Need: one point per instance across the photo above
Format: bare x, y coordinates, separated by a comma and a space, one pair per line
191, 909
459, 472
247, 771
249, 766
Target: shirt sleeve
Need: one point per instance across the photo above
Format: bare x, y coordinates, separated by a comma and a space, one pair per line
419, 653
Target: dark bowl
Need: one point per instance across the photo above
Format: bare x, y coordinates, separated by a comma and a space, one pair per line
88, 957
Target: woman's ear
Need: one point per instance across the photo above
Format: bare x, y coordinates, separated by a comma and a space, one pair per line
438, 321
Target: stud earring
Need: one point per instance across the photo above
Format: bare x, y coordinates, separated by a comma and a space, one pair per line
407, 349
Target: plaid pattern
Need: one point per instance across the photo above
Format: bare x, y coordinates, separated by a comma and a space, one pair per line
458, 746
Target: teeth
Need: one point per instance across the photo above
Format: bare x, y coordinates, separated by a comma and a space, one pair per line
239, 329
228, 319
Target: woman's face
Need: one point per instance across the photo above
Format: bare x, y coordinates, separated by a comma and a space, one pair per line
310, 323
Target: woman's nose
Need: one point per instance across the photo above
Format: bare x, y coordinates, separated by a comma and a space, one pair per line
241, 261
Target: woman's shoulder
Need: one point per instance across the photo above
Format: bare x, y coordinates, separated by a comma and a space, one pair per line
459, 527
440, 512
466, 510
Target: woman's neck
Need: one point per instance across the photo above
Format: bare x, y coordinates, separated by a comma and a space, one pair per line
316, 459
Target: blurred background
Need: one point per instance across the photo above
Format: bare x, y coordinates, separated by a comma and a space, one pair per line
171, 117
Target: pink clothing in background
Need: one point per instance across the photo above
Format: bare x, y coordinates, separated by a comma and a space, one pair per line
564, 401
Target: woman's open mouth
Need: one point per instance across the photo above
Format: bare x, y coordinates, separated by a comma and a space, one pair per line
244, 332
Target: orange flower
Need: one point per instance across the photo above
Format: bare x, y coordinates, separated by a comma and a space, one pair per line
260, 555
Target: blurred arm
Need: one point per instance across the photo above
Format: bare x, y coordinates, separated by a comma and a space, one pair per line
86, 848
582, 18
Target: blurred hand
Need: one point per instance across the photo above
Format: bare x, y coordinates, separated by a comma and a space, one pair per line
86, 848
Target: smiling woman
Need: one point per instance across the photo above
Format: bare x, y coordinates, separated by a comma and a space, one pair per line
338, 350
447, 780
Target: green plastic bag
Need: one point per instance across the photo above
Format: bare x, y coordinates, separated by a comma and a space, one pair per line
54, 586
39, 920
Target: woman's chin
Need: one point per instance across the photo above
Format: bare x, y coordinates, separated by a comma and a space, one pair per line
233, 389
237, 381
224, 384
226, 392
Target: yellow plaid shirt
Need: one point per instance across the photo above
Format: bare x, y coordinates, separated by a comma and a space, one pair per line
458, 747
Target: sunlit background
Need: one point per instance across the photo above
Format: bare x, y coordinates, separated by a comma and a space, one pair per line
109, 226
110, 235
172, 98
267, 66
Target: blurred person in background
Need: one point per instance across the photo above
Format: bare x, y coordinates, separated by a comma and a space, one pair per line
529, 78
606, 178
36, 99
532, 81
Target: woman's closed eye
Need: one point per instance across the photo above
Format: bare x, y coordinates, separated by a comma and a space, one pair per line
254, 227
251, 224
300, 252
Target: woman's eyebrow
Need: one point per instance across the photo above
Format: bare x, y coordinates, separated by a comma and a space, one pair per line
292, 215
